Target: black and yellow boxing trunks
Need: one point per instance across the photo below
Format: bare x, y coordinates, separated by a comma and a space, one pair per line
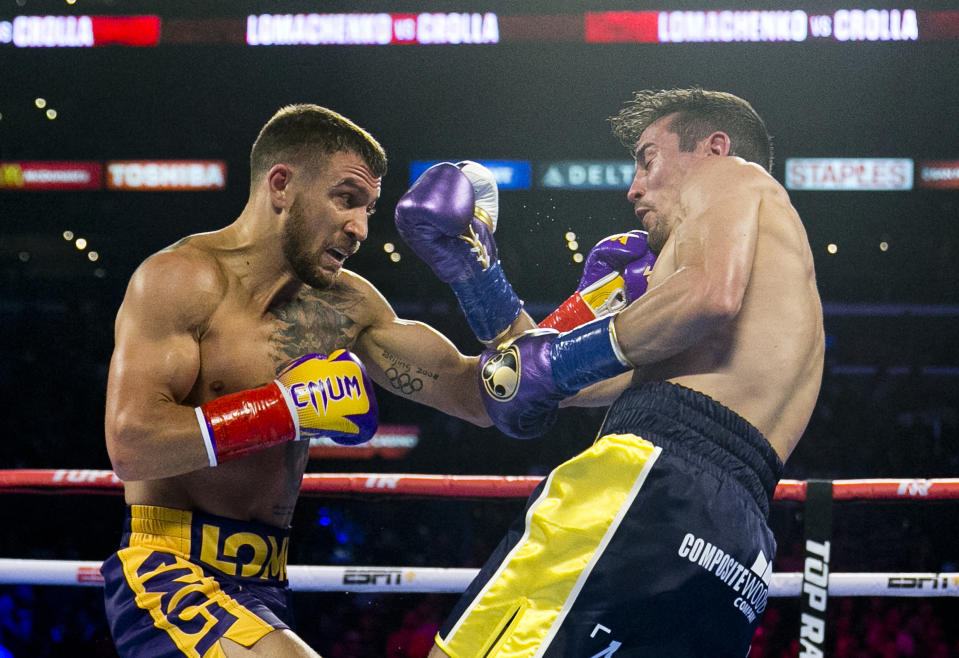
183, 580
652, 543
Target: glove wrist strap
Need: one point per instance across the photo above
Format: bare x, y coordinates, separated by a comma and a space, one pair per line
488, 301
588, 354
237, 424
569, 315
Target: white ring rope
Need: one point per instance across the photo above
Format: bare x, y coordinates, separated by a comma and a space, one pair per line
408, 580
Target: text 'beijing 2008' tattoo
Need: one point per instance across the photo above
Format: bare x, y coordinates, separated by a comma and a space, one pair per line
316, 321
405, 377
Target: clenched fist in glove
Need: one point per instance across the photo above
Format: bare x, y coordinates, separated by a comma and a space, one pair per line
313, 396
448, 218
524, 379
614, 276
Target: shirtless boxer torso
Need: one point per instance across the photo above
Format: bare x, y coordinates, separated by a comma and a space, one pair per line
654, 541
201, 568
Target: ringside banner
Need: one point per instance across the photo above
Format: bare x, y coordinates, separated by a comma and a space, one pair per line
166, 175
665, 24
858, 174
939, 174
54, 175
509, 174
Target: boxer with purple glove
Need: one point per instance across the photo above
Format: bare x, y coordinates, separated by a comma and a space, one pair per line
525, 378
615, 275
448, 218
211, 407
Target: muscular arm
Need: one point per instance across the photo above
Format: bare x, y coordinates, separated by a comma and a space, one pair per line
714, 250
149, 432
415, 361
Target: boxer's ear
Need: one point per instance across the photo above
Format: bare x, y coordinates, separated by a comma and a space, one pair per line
278, 181
718, 143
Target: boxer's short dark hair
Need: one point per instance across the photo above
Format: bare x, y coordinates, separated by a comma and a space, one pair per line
303, 134
698, 113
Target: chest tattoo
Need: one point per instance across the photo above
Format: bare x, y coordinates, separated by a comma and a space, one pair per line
316, 321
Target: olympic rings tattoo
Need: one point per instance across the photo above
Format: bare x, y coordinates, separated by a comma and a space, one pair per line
403, 382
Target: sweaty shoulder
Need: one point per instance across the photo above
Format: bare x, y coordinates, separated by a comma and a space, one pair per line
713, 177
183, 283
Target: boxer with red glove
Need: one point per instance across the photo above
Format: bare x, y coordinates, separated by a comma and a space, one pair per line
313, 396
615, 274
524, 379
448, 218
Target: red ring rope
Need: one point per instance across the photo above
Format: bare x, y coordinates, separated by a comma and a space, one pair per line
57, 481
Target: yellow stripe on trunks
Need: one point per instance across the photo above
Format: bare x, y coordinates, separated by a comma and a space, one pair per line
567, 529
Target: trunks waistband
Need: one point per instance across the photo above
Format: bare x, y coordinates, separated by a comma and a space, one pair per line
244, 550
679, 418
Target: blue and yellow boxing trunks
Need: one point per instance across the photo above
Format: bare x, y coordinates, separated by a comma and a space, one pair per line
182, 580
652, 543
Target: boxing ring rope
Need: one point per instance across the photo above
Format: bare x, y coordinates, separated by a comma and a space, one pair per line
400, 579
89, 481
413, 580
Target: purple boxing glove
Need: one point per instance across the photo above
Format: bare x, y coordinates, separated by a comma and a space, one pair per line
626, 253
436, 219
517, 386
448, 218
523, 381
614, 275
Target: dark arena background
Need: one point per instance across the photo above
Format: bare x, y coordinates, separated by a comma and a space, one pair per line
125, 125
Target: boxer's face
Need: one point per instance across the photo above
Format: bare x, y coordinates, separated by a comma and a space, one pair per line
654, 192
329, 218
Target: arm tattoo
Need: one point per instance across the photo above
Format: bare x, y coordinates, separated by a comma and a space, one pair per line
405, 377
